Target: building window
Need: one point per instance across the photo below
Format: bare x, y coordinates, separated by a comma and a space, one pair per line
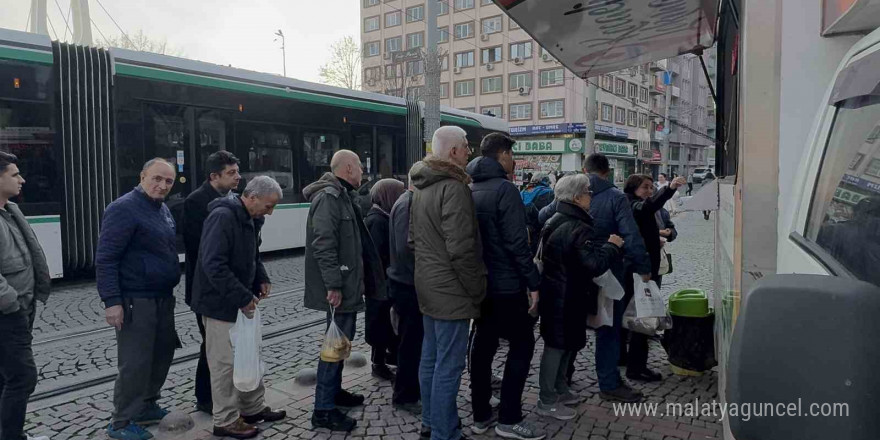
371, 24
521, 50
485, 2
873, 168
491, 85
552, 109
553, 77
371, 49
607, 111
643, 120
491, 25
674, 153
464, 30
608, 82
619, 87
464, 4
513, 25
415, 40
391, 71
392, 19
620, 115
444, 7
643, 94
415, 13
464, 88
467, 109
372, 75
633, 90
857, 160
414, 68
444, 63
368, 3
444, 34
494, 110
518, 80
491, 55
444, 90
393, 44
464, 59
632, 118
519, 112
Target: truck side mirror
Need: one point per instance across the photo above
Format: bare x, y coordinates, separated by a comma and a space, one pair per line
805, 347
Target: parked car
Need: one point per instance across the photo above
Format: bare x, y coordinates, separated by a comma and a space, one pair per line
700, 174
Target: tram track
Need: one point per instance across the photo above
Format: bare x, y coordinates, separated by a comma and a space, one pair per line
106, 328
110, 376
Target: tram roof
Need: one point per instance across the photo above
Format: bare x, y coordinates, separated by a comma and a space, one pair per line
38, 48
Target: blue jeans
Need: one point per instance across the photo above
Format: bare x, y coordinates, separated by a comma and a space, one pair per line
608, 350
444, 351
330, 373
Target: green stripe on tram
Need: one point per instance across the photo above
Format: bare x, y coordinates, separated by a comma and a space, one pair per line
19, 54
293, 206
44, 219
240, 86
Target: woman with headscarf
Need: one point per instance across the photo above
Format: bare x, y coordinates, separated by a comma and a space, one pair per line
378, 332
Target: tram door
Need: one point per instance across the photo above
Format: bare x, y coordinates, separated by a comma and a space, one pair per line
168, 134
212, 134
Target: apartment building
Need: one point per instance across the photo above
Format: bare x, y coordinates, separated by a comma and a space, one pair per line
489, 65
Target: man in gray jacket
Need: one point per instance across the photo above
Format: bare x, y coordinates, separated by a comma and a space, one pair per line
450, 275
24, 278
342, 265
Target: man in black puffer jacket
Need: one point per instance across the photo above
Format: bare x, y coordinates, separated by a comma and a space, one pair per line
506, 310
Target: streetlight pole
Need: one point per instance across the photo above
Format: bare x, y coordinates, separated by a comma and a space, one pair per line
283, 50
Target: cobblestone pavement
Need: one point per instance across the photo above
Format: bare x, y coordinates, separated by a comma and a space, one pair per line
85, 417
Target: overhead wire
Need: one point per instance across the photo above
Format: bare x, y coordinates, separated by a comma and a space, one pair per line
66, 19
115, 23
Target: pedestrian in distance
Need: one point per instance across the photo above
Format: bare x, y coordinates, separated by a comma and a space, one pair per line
24, 280
342, 266
645, 205
511, 305
137, 268
378, 331
450, 275
402, 290
572, 257
222, 178
231, 277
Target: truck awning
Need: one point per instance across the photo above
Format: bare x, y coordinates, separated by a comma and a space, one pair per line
592, 37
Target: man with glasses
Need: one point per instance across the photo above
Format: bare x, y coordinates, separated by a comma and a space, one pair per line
450, 275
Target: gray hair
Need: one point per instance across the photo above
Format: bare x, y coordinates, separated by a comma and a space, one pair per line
445, 139
262, 186
156, 160
569, 188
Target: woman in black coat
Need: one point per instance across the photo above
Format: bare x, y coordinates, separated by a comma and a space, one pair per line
378, 331
571, 261
646, 205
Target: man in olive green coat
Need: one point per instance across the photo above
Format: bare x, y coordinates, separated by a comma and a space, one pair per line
342, 265
449, 274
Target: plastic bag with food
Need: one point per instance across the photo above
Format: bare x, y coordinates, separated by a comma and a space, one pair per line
336, 346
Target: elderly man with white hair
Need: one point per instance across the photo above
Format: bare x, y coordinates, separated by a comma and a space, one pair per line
450, 275
342, 265
230, 277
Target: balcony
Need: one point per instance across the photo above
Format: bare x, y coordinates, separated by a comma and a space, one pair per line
658, 66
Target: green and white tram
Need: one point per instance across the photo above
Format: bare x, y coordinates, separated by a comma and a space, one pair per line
83, 120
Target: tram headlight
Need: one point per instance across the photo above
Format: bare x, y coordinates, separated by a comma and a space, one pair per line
16, 82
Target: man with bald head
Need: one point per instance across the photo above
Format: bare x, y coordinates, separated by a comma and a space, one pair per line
137, 269
450, 277
342, 266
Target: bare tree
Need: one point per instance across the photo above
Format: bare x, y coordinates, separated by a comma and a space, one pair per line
141, 42
344, 67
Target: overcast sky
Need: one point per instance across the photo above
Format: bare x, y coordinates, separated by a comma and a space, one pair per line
237, 32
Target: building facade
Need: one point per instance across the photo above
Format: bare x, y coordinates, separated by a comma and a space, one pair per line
490, 65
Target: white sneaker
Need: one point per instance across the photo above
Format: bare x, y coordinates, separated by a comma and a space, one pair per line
557, 411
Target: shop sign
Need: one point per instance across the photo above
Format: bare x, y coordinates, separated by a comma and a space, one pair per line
616, 148
847, 196
566, 128
861, 183
540, 146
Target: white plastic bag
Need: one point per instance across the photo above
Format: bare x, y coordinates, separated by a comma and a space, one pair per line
247, 338
609, 286
645, 326
610, 290
648, 301
336, 347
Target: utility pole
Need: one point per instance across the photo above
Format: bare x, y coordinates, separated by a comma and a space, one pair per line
590, 123
432, 73
664, 152
283, 50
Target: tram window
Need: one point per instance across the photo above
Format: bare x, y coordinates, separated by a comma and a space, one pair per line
26, 131
265, 150
845, 211
318, 149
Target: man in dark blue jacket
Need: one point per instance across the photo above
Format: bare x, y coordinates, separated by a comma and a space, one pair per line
222, 178
231, 277
508, 310
137, 269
